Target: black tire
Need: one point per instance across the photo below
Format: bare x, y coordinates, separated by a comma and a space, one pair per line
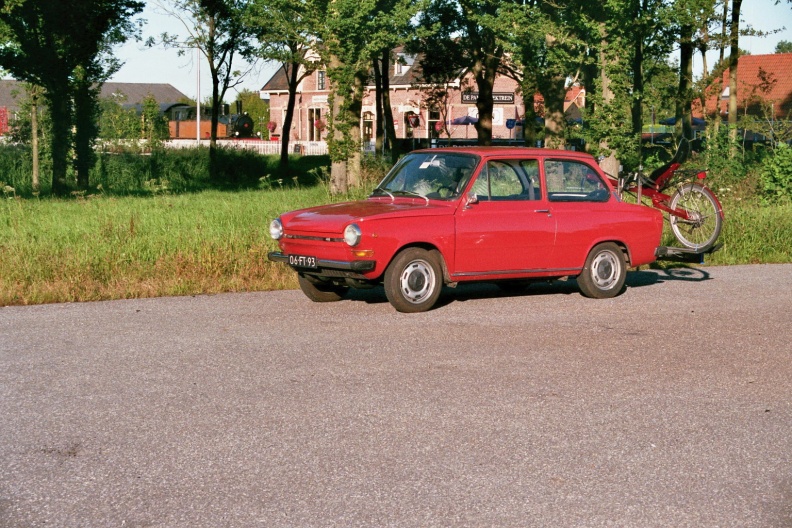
604, 273
703, 228
318, 291
414, 280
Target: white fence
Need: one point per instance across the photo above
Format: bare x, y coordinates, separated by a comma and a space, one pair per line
307, 148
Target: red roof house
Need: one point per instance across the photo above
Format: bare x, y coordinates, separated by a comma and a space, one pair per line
760, 79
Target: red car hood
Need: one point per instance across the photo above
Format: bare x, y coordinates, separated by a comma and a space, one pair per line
335, 217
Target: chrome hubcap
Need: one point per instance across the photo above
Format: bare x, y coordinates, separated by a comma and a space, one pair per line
417, 281
605, 270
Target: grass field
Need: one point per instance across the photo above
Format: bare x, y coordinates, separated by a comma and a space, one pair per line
216, 241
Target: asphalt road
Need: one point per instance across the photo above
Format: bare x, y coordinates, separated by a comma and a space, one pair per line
668, 406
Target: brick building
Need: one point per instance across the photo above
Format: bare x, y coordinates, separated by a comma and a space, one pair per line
414, 117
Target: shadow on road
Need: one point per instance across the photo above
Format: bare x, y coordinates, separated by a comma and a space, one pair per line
637, 279
468, 292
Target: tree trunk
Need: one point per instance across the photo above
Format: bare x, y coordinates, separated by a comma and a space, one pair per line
379, 133
354, 166
390, 127
638, 83
215, 114
553, 89
485, 71
60, 141
611, 164
721, 56
529, 119
734, 55
292, 76
338, 168
35, 140
85, 130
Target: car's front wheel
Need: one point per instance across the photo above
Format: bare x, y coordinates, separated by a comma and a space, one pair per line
604, 273
319, 291
413, 280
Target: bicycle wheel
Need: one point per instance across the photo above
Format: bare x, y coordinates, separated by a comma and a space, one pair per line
703, 225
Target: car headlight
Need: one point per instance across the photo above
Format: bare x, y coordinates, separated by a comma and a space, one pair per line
276, 229
352, 235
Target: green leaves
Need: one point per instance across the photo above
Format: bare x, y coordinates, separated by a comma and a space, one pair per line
775, 180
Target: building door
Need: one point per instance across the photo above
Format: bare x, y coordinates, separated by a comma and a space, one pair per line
368, 127
315, 124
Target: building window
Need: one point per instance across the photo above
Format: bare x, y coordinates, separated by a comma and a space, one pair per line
321, 80
435, 123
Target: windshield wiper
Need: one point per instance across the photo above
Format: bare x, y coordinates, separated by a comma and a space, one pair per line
383, 191
413, 193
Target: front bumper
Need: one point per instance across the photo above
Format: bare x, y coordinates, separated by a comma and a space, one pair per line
356, 266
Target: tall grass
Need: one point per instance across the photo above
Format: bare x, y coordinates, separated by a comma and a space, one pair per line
109, 248
215, 241
755, 234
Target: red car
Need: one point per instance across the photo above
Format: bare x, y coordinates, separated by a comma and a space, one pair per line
452, 215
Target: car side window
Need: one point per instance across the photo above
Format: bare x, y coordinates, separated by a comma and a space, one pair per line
530, 169
503, 180
573, 181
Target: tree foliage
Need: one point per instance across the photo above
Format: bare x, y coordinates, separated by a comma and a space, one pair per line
783, 46
217, 28
64, 47
286, 32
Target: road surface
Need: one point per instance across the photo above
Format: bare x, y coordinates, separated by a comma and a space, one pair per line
668, 406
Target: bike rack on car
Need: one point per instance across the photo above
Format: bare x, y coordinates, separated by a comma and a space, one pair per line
682, 254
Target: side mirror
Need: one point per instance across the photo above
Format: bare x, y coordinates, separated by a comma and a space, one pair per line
471, 198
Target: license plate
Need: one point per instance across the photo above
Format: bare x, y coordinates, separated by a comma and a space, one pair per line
302, 261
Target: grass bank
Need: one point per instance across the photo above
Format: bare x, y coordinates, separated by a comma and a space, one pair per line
216, 241
112, 248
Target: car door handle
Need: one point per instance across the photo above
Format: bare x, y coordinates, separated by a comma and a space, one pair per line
542, 211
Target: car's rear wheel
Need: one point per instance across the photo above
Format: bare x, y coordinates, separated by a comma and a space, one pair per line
414, 280
604, 273
319, 291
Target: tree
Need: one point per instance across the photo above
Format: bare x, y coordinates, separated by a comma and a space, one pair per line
391, 28
784, 47
218, 30
286, 32
117, 122
349, 39
153, 125
59, 46
465, 36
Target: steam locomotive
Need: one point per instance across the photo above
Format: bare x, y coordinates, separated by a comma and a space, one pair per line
239, 126
182, 123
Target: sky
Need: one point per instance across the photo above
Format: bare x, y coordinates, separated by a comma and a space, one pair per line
157, 65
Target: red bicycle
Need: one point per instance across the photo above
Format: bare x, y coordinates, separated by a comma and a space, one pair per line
694, 212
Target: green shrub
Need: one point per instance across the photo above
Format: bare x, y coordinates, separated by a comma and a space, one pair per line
124, 172
726, 170
775, 179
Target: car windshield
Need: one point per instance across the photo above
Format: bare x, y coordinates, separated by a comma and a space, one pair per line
441, 175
